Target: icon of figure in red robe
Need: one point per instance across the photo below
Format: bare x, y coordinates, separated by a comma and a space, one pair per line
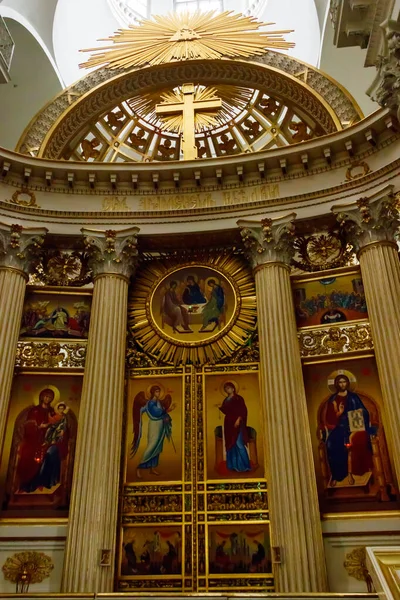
44, 441
235, 430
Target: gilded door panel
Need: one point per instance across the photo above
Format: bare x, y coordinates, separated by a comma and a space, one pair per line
194, 510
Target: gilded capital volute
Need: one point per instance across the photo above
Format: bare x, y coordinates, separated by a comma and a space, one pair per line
269, 240
112, 252
19, 246
370, 220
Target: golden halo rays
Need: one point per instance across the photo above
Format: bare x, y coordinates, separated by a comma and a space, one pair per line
166, 349
145, 106
186, 36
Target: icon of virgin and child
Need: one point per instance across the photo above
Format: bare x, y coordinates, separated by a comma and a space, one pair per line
190, 303
43, 440
157, 406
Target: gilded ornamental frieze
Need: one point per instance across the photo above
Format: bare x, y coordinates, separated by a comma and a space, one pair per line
51, 354
337, 339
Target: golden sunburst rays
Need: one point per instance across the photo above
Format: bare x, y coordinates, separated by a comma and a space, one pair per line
234, 100
186, 36
166, 346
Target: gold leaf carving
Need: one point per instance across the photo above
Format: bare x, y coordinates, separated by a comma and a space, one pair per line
33, 567
335, 340
355, 565
51, 354
186, 36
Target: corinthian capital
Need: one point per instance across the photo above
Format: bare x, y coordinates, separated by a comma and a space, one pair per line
370, 220
385, 89
19, 246
112, 252
270, 240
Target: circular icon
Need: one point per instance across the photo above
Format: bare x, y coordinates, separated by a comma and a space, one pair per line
193, 304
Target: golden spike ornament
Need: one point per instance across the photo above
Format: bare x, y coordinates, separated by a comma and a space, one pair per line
186, 36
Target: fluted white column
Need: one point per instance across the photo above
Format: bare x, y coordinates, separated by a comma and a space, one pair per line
94, 502
292, 493
17, 245
371, 224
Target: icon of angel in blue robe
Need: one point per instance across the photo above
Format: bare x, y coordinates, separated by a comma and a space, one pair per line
159, 427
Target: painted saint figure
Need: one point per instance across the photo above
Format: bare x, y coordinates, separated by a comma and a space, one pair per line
235, 430
173, 313
159, 427
44, 444
214, 307
192, 294
347, 434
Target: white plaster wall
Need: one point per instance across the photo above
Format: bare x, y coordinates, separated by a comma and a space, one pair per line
78, 24
341, 536
302, 17
49, 539
346, 65
33, 83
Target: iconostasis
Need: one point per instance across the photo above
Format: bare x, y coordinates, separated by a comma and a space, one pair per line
194, 506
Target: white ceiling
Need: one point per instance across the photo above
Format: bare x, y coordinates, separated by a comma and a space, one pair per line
33, 83
62, 27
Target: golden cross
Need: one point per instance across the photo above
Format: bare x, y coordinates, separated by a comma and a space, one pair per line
188, 107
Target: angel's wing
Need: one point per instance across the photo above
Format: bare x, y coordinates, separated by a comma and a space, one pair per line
138, 404
166, 402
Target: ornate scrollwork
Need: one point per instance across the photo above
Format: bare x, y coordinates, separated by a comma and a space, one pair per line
24, 197
125, 585
151, 504
250, 353
355, 565
51, 354
24, 568
232, 487
237, 501
321, 251
158, 518
135, 357
242, 582
335, 340
63, 268
233, 517
152, 489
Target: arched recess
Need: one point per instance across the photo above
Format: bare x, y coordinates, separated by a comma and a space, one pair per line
40, 29
33, 83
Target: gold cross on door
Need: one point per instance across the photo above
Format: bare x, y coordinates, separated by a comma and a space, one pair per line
188, 105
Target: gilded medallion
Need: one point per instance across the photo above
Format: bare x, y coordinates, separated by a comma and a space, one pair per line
193, 305
195, 311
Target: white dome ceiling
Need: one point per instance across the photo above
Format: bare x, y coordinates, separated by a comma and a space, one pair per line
79, 24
